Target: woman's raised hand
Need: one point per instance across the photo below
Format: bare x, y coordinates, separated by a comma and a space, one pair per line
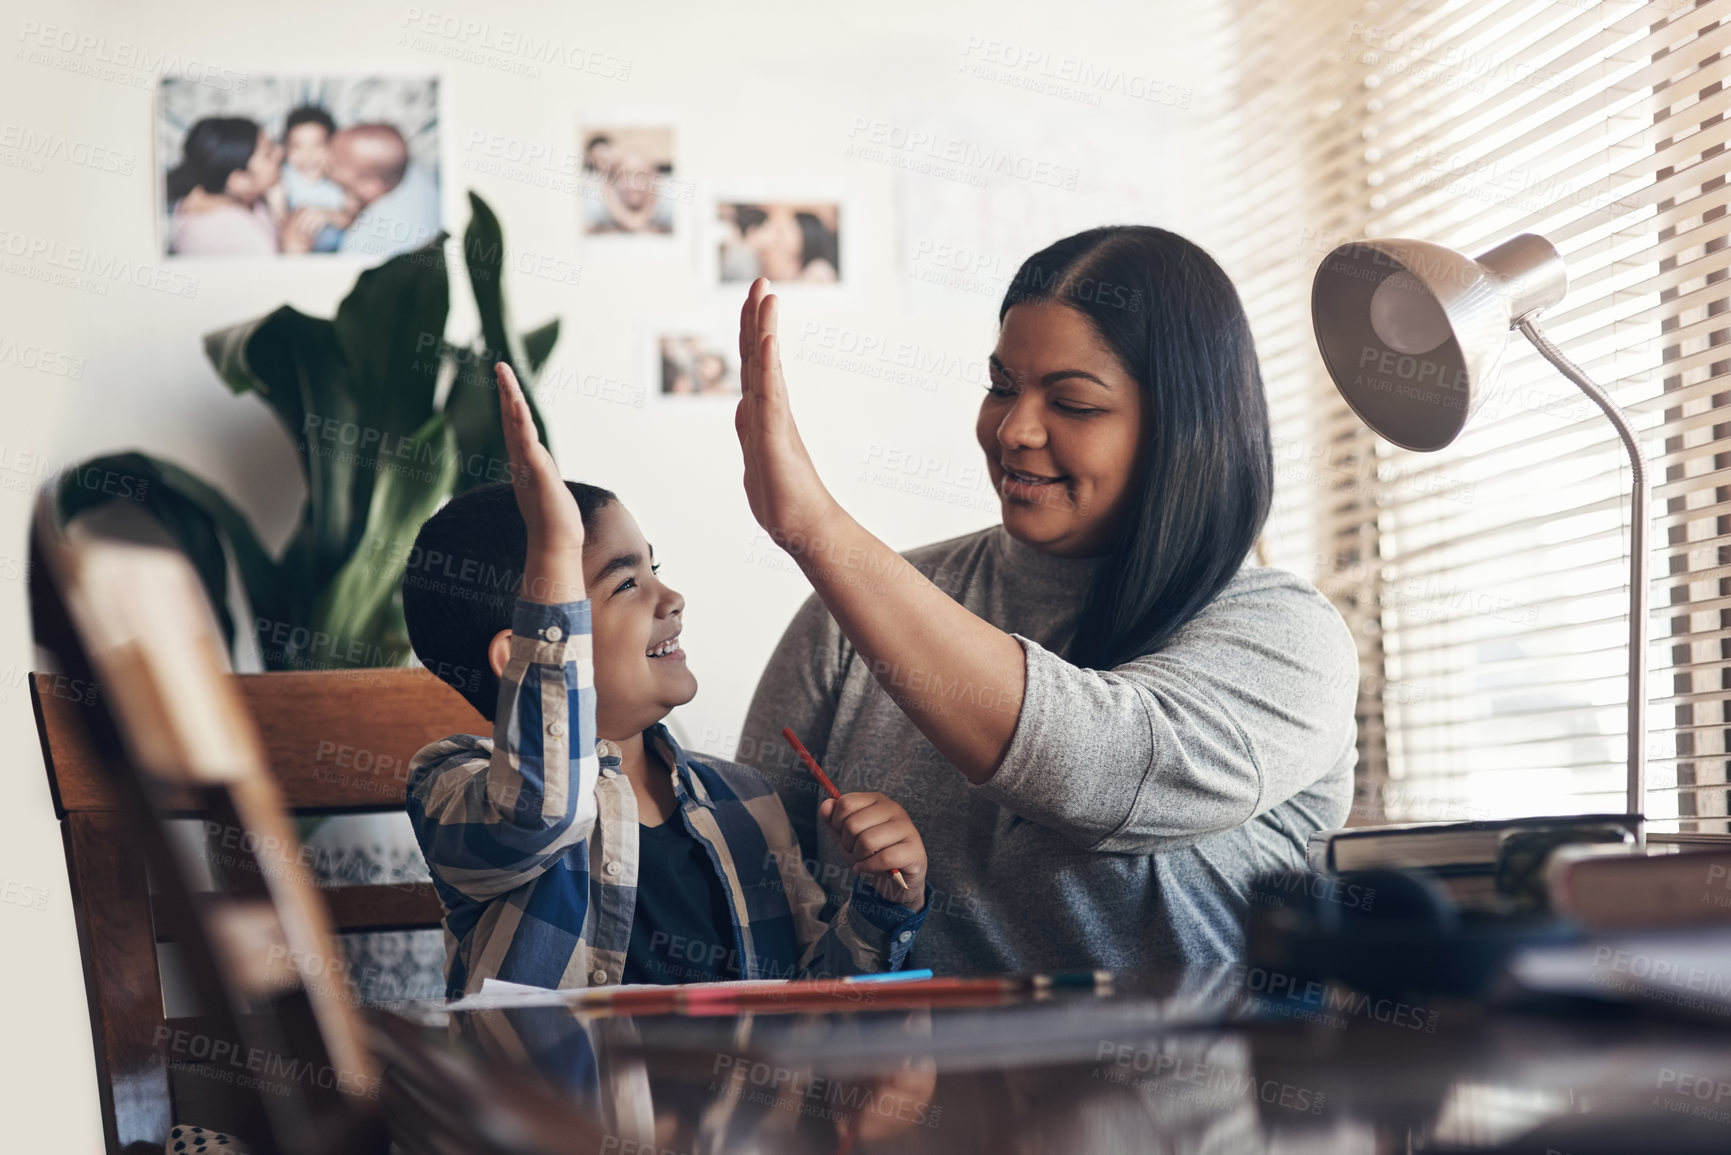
787, 497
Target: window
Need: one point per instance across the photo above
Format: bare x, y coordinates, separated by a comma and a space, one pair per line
1487, 583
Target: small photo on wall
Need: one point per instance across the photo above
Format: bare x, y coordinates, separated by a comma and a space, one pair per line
628, 185
783, 240
291, 166
694, 365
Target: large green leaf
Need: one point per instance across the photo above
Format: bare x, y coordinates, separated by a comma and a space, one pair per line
484, 258
538, 344
391, 328
296, 363
196, 516
356, 612
473, 407
259, 356
473, 402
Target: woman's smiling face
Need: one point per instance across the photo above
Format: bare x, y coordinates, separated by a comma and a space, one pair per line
1061, 427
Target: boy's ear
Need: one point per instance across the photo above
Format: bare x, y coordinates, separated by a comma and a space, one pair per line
499, 652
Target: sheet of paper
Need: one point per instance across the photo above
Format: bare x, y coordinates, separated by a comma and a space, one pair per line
497, 995
1689, 971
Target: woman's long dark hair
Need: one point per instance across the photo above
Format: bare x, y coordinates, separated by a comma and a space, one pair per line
216, 146
818, 243
1206, 480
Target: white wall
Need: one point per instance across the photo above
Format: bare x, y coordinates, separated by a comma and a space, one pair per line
765, 98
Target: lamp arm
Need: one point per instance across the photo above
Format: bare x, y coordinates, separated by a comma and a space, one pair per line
1639, 515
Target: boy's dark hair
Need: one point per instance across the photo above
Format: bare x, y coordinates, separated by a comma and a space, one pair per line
462, 578
309, 114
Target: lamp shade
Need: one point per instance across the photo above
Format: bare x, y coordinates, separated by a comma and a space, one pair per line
1413, 333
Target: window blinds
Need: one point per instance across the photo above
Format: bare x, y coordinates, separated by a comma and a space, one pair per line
1487, 583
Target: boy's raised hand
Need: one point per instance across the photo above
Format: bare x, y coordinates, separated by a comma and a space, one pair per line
878, 835
553, 566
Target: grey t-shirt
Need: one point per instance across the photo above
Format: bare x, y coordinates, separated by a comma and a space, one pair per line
1133, 806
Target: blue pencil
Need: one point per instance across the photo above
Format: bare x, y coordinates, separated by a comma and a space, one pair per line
891, 977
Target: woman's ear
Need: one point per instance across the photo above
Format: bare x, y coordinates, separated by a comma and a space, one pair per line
499, 652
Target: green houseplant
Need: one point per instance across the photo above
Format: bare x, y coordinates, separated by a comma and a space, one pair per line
379, 451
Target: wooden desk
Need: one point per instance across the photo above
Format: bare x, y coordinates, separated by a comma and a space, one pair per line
1154, 1067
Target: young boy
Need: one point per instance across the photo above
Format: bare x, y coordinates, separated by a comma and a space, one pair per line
580, 845
306, 182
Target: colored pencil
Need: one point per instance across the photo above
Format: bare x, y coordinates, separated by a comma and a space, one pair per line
823, 780
892, 976
841, 995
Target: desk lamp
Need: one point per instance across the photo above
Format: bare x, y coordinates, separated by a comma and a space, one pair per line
1413, 335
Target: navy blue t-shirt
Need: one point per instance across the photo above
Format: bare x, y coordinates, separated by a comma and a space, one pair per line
681, 931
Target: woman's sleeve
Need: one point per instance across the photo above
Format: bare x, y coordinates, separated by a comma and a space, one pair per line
226, 233
1249, 704
798, 690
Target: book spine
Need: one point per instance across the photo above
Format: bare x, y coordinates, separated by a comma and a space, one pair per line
1319, 853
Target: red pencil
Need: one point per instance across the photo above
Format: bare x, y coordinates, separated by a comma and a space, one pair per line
842, 996
823, 780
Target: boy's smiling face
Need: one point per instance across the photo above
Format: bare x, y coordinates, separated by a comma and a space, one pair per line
308, 147
634, 614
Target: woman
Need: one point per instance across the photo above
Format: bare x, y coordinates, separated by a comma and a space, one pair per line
1103, 719
228, 166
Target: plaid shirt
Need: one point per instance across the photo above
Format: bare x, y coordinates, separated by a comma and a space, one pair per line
531, 837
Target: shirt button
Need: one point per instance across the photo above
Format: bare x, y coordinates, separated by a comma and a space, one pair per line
613, 868
905, 936
555, 728
552, 633
598, 977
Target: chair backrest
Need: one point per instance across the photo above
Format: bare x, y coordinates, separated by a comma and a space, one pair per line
128, 730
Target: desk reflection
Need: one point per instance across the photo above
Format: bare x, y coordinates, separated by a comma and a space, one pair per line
1195, 1064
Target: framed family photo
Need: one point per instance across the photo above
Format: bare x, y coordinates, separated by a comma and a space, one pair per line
295, 166
629, 185
697, 364
790, 241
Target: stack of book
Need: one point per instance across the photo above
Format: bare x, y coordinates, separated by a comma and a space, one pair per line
1590, 868
1493, 867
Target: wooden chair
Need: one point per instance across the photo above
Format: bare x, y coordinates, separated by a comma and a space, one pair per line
141, 727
